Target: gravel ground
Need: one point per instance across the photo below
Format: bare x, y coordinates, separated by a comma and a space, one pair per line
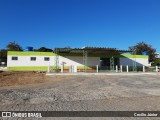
86, 93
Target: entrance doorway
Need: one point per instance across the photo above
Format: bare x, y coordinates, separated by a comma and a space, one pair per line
108, 63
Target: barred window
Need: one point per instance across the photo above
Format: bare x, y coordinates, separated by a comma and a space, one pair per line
33, 58
46, 58
14, 58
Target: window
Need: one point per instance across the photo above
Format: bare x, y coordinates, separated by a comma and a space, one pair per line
46, 59
33, 58
14, 58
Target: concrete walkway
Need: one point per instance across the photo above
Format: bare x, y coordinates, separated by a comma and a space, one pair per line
122, 73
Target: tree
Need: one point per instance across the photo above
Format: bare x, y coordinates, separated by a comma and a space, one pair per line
144, 47
13, 46
156, 62
43, 49
3, 55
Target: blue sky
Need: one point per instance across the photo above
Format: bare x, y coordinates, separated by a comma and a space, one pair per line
78, 23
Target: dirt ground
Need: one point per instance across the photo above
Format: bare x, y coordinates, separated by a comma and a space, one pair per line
80, 93
16, 78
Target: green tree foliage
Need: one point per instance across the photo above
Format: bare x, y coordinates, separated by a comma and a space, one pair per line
3, 55
43, 49
144, 47
156, 62
13, 46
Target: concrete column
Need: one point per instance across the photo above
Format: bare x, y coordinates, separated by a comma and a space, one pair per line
156, 68
48, 69
70, 68
97, 68
116, 68
75, 68
121, 68
62, 66
127, 68
143, 68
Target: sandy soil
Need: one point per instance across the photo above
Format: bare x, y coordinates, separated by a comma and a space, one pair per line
16, 78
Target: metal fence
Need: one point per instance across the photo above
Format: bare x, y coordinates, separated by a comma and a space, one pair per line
94, 69
151, 69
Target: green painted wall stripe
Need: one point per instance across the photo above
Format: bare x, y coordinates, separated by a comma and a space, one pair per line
28, 68
30, 53
133, 56
33, 68
42, 68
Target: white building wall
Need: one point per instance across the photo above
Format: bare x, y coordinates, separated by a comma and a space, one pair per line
129, 61
78, 61
69, 60
25, 61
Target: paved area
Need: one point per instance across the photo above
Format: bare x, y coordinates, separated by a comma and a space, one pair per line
102, 73
87, 93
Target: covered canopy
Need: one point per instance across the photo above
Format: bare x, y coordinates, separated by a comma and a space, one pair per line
98, 51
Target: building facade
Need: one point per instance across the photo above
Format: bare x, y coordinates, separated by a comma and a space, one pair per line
40, 61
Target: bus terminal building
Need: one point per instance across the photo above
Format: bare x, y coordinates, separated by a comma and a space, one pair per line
86, 59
